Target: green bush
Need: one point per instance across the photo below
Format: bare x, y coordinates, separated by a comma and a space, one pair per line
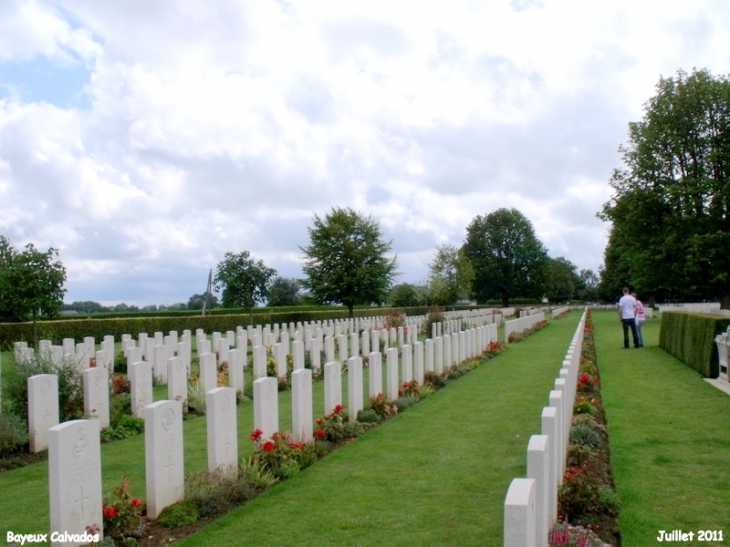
583, 434
608, 501
70, 388
127, 426
579, 453
178, 514
404, 403
691, 339
213, 493
13, 434
368, 416
435, 380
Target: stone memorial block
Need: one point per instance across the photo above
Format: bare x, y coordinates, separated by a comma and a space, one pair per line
266, 406
298, 355
160, 364
104, 360
455, 348
149, 352
142, 344
406, 363
223, 347
258, 340
429, 350
44, 348
134, 355
332, 385
401, 337
140, 382
519, 514
375, 373
280, 358
42, 409
342, 342
222, 430
242, 344
126, 344
208, 371
463, 347
159, 339
315, 356
549, 429
173, 338
235, 370
187, 338
259, 362
418, 371
354, 386
56, 355
204, 346
301, 405
74, 479
69, 346
391, 363
96, 395
185, 354
329, 349
365, 342
108, 340
354, 345
90, 342
284, 341
393, 336
177, 380
538, 467
163, 454
447, 351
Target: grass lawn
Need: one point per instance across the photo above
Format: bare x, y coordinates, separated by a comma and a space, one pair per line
669, 433
435, 475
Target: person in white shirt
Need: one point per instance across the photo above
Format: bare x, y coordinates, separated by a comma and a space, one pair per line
627, 314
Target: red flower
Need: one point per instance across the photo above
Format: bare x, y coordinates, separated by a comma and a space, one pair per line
405, 384
338, 408
110, 512
136, 502
380, 395
255, 434
268, 446
296, 445
319, 433
318, 420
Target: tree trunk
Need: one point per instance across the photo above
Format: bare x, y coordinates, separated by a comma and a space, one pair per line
350, 311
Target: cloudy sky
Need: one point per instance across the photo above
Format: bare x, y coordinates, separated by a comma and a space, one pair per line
145, 139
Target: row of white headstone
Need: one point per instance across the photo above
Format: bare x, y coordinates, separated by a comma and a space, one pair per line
558, 312
723, 353
75, 495
531, 504
521, 324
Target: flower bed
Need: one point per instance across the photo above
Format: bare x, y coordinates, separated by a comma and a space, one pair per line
588, 505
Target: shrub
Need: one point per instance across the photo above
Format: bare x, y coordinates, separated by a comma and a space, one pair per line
382, 407
579, 453
121, 384
434, 380
410, 389
196, 396
368, 416
435, 315
335, 427
404, 403
178, 514
120, 363
218, 491
608, 501
70, 389
121, 512
13, 434
253, 473
127, 426
583, 434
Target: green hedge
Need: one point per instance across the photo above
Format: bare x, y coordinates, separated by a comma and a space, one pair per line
691, 339
77, 329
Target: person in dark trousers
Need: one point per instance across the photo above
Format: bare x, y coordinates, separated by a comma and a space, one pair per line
627, 314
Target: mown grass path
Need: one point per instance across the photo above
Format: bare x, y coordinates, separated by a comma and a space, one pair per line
436, 475
669, 433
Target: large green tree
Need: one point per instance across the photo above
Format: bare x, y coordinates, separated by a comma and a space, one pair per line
508, 259
31, 282
284, 291
346, 261
243, 280
450, 276
670, 214
563, 280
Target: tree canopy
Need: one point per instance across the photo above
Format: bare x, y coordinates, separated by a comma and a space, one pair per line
284, 291
563, 281
508, 259
243, 280
346, 260
670, 215
31, 281
450, 276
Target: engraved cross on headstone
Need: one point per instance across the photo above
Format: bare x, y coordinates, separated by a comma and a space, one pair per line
81, 501
227, 444
169, 465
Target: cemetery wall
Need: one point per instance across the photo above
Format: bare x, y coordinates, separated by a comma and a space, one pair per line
690, 338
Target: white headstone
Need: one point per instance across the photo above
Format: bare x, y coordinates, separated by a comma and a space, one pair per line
375, 371
96, 395
407, 363
42, 409
418, 363
354, 386
315, 357
140, 382
177, 380
163, 450
235, 369
301, 403
519, 514
538, 468
74, 479
266, 406
259, 362
391, 364
429, 347
221, 420
208, 371
332, 385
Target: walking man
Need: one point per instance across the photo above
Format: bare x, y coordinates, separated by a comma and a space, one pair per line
627, 314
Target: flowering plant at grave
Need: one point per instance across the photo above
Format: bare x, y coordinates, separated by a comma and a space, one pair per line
121, 384
587, 383
395, 319
281, 456
121, 511
495, 347
92, 362
336, 427
382, 407
410, 389
564, 535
